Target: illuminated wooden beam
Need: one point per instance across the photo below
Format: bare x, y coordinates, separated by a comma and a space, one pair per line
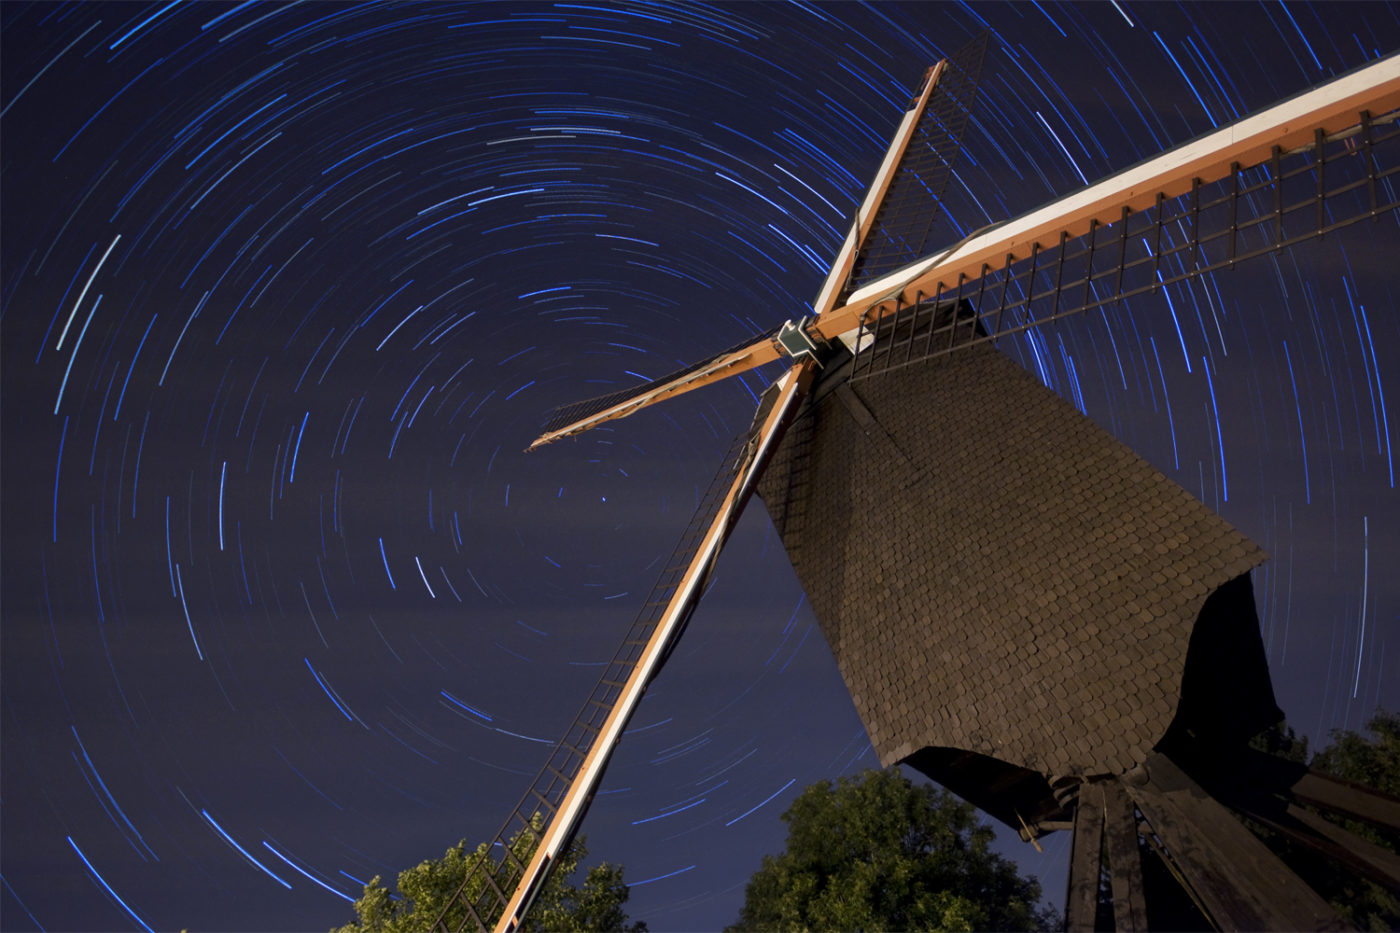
764, 350
756, 354
792, 387
1294, 123
865, 217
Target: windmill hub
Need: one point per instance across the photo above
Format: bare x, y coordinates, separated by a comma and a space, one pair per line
800, 345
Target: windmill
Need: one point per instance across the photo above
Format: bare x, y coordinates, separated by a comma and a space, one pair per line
1021, 607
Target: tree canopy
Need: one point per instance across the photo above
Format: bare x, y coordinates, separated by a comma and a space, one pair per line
1374, 761
427, 888
877, 852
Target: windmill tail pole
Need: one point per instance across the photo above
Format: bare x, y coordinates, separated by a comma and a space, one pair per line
789, 391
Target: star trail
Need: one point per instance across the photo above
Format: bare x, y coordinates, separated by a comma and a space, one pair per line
288, 288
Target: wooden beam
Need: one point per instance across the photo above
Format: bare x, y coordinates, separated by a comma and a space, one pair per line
1365, 857
1242, 885
1330, 108
1082, 889
1266, 788
792, 387
875, 195
1362, 803
1124, 860
1307, 828
761, 351
1315, 788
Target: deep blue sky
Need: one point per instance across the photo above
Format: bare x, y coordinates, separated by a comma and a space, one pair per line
287, 290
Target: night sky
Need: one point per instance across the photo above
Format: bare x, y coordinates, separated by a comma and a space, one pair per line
288, 289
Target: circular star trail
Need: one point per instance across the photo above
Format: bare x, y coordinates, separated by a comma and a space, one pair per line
287, 290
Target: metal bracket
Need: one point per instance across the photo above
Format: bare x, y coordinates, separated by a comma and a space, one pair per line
799, 345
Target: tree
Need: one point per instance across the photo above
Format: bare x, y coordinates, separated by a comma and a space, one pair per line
1374, 762
427, 888
877, 852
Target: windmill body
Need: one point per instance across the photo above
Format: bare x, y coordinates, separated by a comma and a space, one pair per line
1021, 607
1012, 581
1018, 601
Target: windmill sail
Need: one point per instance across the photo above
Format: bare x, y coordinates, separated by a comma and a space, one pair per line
498, 889
1292, 172
901, 227
916, 167
1332, 182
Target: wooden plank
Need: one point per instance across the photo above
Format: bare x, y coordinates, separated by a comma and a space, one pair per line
1124, 860
1242, 884
1324, 791
1308, 828
1363, 856
1362, 803
1082, 890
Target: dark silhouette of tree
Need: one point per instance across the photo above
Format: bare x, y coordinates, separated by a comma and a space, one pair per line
878, 852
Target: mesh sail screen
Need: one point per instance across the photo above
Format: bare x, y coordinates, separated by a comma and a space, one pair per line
490, 882
911, 206
1286, 200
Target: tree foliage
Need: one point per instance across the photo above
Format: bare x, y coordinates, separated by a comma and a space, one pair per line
431, 886
877, 852
1374, 761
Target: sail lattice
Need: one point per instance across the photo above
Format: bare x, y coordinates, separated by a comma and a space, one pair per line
906, 217
1290, 198
483, 895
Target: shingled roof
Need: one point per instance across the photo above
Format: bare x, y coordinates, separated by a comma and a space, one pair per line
994, 572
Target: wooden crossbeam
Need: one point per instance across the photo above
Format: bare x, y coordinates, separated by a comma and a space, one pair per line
1362, 803
1242, 885
1124, 860
1273, 791
1082, 899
